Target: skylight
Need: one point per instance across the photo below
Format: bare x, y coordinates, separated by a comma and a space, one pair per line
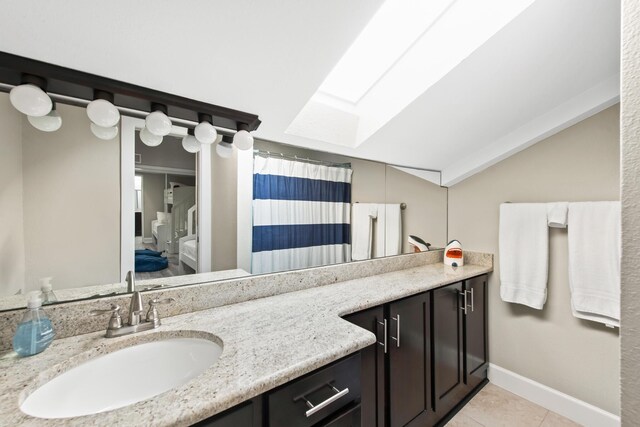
406, 48
389, 34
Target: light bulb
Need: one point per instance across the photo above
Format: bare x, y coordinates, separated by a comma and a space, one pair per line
224, 150
243, 140
150, 139
190, 144
49, 123
205, 133
158, 123
29, 99
103, 132
103, 113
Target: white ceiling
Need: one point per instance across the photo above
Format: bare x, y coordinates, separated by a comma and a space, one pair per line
554, 64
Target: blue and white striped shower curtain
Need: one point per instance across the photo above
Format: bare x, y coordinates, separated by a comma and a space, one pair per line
301, 215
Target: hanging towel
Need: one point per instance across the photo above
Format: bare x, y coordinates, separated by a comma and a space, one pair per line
387, 233
361, 230
524, 253
557, 214
380, 231
594, 261
393, 230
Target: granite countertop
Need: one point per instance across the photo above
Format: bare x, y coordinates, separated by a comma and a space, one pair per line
266, 343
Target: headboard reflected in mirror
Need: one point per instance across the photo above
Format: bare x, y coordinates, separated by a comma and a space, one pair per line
178, 192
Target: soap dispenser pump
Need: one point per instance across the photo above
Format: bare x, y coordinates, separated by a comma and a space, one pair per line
35, 332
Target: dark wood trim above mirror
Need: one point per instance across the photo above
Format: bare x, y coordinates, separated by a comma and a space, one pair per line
79, 84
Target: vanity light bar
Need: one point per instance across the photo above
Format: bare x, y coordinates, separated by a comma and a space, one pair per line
140, 114
80, 85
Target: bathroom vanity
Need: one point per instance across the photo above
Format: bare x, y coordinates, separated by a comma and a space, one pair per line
429, 359
321, 331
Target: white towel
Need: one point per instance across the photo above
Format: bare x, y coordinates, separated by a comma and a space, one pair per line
362, 215
393, 230
557, 214
524, 253
594, 261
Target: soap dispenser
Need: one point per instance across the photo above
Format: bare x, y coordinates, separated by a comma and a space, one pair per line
35, 332
48, 297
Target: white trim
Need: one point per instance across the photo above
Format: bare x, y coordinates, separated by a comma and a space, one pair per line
244, 208
577, 410
127, 196
204, 209
164, 170
578, 108
127, 193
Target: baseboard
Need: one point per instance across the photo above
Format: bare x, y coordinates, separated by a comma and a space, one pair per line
147, 240
577, 410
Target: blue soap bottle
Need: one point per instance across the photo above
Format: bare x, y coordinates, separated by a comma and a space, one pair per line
35, 332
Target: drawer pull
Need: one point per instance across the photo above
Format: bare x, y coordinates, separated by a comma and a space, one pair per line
315, 408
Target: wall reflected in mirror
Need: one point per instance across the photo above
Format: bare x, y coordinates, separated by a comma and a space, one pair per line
79, 211
60, 207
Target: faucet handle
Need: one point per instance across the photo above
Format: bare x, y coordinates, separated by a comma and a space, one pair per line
152, 314
115, 322
157, 301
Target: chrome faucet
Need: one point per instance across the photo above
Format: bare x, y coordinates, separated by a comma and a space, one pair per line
115, 328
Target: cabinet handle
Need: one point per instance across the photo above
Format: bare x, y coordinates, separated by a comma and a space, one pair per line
397, 337
472, 304
384, 337
464, 306
315, 408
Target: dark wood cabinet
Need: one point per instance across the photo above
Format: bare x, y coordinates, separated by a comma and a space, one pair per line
372, 372
448, 352
246, 414
475, 332
460, 355
409, 358
440, 359
313, 399
396, 371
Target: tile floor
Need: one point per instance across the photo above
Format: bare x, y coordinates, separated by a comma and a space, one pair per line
496, 407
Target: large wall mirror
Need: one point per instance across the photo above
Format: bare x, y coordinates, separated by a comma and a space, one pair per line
79, 212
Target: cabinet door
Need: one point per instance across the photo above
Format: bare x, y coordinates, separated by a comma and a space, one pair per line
372, 371
449, 387
409, 361
475, 332
247, 414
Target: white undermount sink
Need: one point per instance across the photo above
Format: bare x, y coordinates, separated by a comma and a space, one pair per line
121, 378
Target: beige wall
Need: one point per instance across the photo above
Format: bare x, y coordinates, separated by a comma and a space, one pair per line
152, 199
426, 212
630, 301
224, 190
12, 262
550, 346
71, 203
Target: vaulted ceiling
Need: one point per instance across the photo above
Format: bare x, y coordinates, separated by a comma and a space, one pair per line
547, 66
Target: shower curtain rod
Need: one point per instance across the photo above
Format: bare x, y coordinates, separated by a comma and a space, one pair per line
301, 159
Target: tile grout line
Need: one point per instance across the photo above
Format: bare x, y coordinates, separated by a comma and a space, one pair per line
544, 418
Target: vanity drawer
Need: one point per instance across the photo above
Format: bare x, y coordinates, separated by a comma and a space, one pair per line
328, 389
